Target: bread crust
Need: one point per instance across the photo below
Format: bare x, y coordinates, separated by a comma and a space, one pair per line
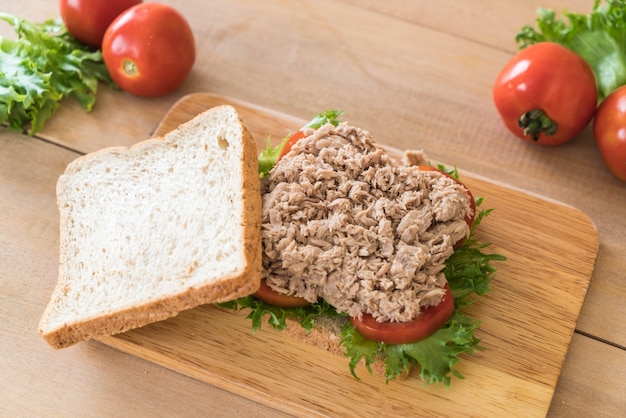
238, 284
121, 321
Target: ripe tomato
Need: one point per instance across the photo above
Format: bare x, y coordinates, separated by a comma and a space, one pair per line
429, 321
149, 50
267, 295
87, 20
289, 143
609, 129
546, 94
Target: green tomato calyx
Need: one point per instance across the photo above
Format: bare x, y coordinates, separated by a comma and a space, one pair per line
534, 122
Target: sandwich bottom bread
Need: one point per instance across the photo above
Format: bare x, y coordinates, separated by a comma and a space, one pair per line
163, 226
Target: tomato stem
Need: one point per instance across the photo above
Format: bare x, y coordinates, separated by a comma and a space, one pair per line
130, 68
534, 122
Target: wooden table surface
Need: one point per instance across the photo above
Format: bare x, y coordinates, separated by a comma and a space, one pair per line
417, 74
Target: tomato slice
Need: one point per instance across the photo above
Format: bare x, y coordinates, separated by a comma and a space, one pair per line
267, 295
289, 143
429, 321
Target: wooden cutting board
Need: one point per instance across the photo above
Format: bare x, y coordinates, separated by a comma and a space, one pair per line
527, 320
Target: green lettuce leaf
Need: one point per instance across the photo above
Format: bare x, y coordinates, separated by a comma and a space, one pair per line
277, 316
41, 67
268, 156
598, 37
435, 355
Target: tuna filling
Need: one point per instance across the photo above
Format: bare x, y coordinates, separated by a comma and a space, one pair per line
344, 221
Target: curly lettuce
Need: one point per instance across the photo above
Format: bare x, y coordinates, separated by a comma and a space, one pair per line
598, 37
41, 67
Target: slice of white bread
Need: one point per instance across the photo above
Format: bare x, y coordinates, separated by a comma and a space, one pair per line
148, 231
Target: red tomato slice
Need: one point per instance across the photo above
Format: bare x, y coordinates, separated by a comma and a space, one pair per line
429, 321
289, 143
267, 295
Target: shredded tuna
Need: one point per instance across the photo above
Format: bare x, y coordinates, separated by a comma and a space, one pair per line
344, 222
414, 157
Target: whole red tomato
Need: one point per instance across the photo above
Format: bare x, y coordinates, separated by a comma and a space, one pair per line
546, 94
149, 50
87, 20
609, 129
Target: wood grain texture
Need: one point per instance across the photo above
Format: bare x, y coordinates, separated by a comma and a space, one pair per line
483, 22
602, 393
416, 73
528, 318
